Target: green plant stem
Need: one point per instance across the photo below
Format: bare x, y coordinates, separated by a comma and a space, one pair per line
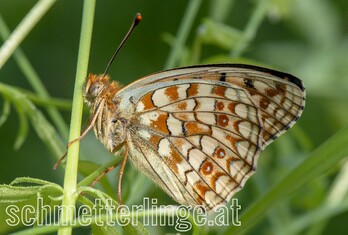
251, 28
220, 10
319, 161
70, 178
57, 103
26, 25
184, 29
35, 82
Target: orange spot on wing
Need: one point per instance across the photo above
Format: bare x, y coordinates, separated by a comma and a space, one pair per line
233, 142
232, 107
172, 93
179, 142
252, 92
264, 102
222, 120
147, 101
219, 90
280, 89
207, 168
155, 139
173, 159
199, 200
220, 152
215, 177
182, 105
271, 92
181, 116
193, 90
160, 123
220, 105
201, 190
193, 128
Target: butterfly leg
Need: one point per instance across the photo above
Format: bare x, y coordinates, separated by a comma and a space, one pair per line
124, 161
84, 133
90, 126
107, 170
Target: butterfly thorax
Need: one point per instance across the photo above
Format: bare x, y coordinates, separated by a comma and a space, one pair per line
100, 96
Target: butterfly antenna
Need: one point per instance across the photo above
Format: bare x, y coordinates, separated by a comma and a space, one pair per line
136, 21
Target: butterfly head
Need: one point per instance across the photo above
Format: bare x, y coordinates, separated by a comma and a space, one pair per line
95, 85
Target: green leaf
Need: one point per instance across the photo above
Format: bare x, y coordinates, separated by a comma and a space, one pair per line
6, 109
24, 193
11, 194
25, 188
23, 127
26, 109
28, 180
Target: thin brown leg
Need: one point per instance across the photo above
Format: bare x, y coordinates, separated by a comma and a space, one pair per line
90, 126
107, 170
124, 161
84, 133
60, 160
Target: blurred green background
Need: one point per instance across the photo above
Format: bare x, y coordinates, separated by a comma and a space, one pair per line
305, 38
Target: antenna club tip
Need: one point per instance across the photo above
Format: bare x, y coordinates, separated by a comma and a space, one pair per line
137, 18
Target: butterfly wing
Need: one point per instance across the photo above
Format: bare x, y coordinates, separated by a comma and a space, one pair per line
198, 131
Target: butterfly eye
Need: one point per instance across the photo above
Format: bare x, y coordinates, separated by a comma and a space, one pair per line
93, 91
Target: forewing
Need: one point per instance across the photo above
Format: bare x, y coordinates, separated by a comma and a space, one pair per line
205, 126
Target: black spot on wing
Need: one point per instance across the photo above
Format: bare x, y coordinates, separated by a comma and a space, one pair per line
222, 77
249, 83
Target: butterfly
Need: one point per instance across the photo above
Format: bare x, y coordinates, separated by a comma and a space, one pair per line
196, 131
